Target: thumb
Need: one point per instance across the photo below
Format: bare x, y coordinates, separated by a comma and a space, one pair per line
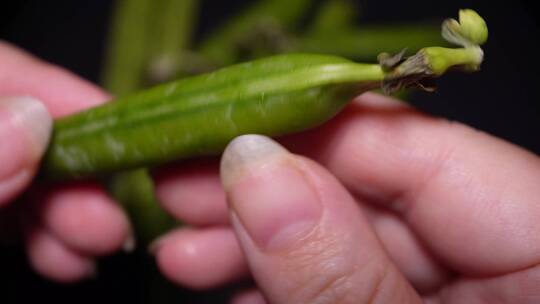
305, 239
25, 126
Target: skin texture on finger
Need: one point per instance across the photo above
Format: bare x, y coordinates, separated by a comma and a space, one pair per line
304, 237
192, 192
52, 259
200, 258
248, 297
62, 92
452, 184
84, 217
25, 127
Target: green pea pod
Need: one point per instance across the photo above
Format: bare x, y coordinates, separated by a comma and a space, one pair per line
198, 116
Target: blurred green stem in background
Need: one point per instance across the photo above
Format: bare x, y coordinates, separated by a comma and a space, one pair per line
172, 26
146, 45
127, 46
221, 46
148, 38
135, 190
335, 15
366, 42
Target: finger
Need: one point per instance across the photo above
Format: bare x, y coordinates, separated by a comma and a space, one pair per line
192, 193
200, 258
62, 92
305, 239
85, 218
451, 183
252, 296
409, 255
25, 127
52, 259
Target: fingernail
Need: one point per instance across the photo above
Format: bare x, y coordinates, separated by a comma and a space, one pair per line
268, 193
25, 126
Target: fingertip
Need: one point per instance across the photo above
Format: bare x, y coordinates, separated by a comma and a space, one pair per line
200, 259
268, 194
53, 260
25, 126
87, 219
31, 119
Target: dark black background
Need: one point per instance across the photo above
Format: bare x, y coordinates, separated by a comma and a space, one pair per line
502, 99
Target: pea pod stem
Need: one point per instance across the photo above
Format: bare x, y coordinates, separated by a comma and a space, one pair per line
428, 63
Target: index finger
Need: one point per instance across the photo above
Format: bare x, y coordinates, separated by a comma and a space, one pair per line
473, 199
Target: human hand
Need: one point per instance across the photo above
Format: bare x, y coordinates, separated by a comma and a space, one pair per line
398, 208
66, 226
